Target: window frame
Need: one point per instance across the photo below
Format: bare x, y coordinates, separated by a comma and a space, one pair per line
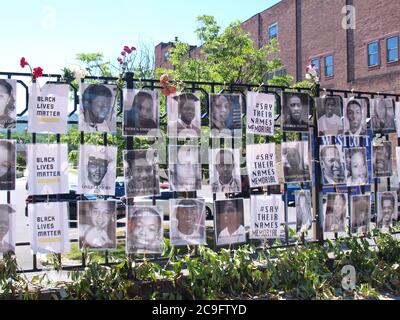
326, 65
377, 54
387, 49
269, 29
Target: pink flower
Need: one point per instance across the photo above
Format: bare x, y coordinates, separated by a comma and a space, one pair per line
23, 62
123, 53
127, 49
133, 49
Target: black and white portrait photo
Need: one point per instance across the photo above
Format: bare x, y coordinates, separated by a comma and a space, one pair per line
382, 159
8, 103
141, 173
187, 222
295, 161
184, 168
335, 212
229, 222
97, 169
387, 209
295, 111
356, 166
302, 199
141, 114
225, 170
330, 117
144, 233
97, 108
225, 114
7, 164
184, 119
355, 117
382, 115
332, 164
97, 224
360, 213
7, 226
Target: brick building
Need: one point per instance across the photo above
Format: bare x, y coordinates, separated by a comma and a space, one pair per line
364, 56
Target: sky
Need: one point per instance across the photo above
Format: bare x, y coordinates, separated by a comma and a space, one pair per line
50, 33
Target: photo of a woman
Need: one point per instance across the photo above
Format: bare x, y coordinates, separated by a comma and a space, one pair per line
7, 104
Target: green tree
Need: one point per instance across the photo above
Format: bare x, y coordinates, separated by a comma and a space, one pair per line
229, 56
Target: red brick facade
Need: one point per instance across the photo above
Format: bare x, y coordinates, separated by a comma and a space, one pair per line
312, 29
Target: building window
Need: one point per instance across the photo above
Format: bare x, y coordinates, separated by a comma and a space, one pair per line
392, 46
166, 55
329, 66
273, 31
373, 54
317, 64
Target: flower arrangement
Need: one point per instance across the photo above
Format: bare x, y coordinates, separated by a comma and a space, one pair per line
168, 86
312, 73
36, 72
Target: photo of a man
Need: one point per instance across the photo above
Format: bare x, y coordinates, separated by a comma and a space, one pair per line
6, 228
330, 118
382, 116
295, 111
97, 112
303, 210
382, 159
141, 173
187, 222
335, 212
387, 209
295, 161
355, 120
144, 230
225, 170
184, 115
184, 168
97, 224
141, 112
360, 213
7, 164
225, 114
97, 169
356, 166
7, 103
332, 164
229, 222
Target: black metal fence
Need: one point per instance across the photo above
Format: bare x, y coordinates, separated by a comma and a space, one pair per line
204, 88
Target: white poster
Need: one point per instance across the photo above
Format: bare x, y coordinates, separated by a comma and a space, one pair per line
187, 222
7, 228
225, 170
97, 112
97, 170
260, 113
8, 106
48, 169
261, 165
48, 227
48, 108
266, 216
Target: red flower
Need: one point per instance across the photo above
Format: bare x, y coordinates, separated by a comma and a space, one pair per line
164, 79
37, 72
23, 62
165, 91
123, 53
172, 89
127, 49
133, 49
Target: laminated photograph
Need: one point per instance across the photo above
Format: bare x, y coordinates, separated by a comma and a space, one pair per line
225, 115
382, 160
184, 115
7, 164
97, 170
355, 117
330, 116
141, 173
382, 115
8, 105
187, 222
295, 162
360, 213
7, 228
97, 224
225, 170
356, 166
141, 113
302, 199
184, 168
229, 222
335, 212
144, 230
97, 111
295, 111
387, 209
332, 164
